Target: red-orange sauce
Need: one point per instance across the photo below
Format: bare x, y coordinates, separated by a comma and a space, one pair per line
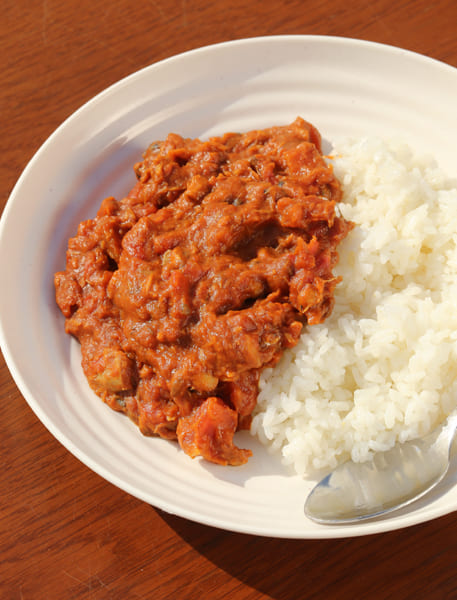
184, 290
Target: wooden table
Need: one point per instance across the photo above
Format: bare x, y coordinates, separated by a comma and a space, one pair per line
65, 533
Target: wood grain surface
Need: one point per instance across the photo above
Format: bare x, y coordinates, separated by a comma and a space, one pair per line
65, 533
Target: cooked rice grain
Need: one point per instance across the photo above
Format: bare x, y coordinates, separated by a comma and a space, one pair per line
383, 367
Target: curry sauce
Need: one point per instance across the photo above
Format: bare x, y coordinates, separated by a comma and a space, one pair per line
184, 290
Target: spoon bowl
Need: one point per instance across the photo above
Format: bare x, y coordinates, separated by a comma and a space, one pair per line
392, 480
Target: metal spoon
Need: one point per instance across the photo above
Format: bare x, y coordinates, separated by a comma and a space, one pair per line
393, 479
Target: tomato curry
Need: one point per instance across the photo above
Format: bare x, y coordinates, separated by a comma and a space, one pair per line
184, 290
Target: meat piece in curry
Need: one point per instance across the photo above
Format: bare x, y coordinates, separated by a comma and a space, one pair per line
184, 290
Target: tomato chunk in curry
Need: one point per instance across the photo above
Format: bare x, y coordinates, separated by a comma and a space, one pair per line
184, 290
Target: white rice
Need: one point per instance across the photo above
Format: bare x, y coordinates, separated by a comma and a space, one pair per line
383, 367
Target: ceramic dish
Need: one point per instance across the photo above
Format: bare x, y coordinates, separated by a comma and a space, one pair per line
343, 87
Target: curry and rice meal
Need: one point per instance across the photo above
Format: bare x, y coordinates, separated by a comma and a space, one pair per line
211, 298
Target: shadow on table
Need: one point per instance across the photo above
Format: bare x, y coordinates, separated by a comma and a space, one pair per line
399, 564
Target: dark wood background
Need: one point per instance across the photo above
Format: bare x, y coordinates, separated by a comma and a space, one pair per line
65, 533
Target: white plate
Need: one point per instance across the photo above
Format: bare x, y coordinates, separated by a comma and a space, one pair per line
342, 86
